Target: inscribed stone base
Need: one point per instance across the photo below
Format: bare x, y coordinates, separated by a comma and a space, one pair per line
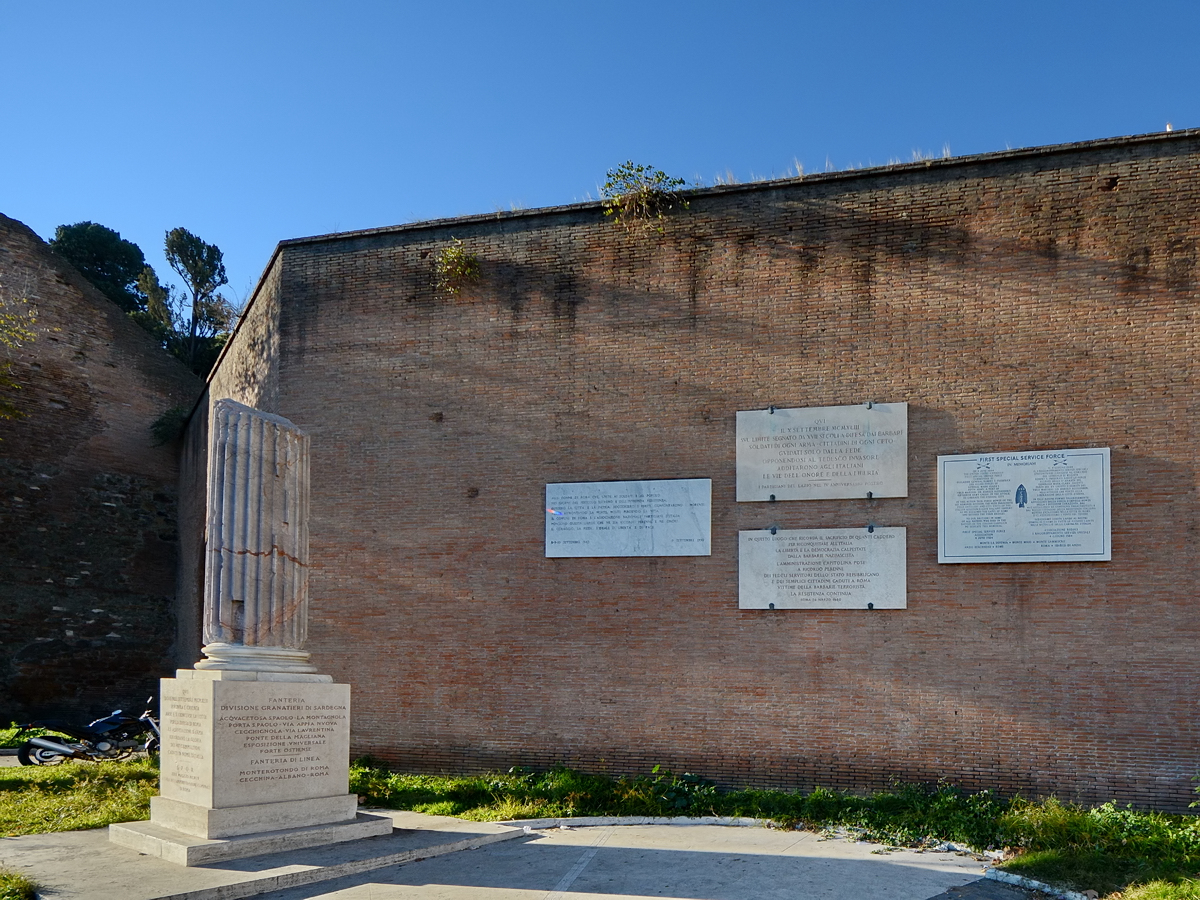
182, 849
250, 755
228, 741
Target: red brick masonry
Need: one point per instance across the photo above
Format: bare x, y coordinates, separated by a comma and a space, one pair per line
1023, 300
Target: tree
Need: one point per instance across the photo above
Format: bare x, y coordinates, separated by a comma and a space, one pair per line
164, 318
159, 317
104, 258
202, 268
158, 298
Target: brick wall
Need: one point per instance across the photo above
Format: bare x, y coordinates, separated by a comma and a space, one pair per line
88, 544
1022, 300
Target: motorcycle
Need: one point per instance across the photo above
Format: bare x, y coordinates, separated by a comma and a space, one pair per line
115, 736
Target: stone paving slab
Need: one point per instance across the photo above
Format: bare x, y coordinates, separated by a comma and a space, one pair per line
695, 862
443, 858
85, 864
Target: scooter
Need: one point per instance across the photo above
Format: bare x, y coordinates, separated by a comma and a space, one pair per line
115, 736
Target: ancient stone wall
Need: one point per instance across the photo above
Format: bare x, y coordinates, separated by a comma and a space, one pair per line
88, 543
1016, 301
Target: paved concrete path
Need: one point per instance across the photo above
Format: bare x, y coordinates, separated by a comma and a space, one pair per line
681, 862
612, 862
696, 862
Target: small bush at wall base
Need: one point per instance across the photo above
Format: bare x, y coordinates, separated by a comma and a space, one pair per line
682, 792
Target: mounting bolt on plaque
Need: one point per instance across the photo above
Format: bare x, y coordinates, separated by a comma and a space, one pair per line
870, 606
772, 498
870, 405
770, 606
870, 528
771, 410
773, 529
870, 495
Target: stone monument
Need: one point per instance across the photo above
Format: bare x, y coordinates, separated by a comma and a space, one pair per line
255, 742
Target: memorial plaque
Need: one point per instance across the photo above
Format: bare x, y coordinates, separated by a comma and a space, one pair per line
670, 517
823, 568
233, 743
1035, 506
823, 452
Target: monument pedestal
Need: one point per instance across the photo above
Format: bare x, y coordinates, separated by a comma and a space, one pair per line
252, 762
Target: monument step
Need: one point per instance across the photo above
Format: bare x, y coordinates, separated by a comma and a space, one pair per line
250, 819
85, 864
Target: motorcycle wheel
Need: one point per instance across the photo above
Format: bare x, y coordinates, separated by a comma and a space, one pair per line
30, 755
152, 747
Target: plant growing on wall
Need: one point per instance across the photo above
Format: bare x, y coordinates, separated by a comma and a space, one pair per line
456, 267
17, 319
168, 427
639, 197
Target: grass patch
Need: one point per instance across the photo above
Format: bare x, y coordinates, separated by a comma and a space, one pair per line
15, 886
908, 816
75, 795
1106, 848
1187, 889
1108, 828
519, 794
1095, 871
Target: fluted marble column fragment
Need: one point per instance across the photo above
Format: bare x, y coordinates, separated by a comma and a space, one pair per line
256, 566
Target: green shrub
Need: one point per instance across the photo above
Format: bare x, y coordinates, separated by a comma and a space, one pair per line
15, 886
1108, 828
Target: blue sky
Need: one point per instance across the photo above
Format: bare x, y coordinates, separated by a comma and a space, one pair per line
251, 122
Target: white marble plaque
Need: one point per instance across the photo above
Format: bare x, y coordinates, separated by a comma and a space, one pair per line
670, 517
823, 568
1035, 506
823, 452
